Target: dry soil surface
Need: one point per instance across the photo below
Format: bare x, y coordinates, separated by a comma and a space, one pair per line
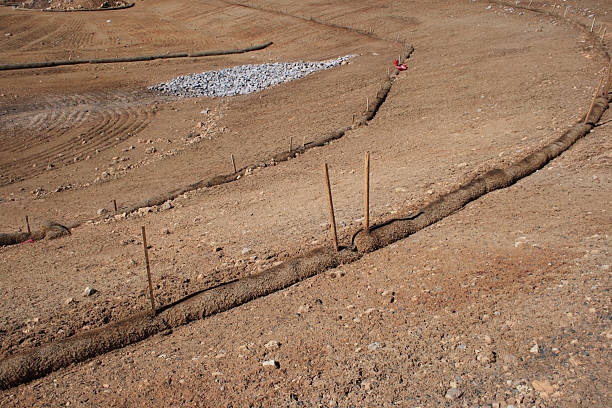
506, 302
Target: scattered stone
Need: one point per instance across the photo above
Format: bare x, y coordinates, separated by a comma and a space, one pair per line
486, 357
374, 346
271, 363
102, 211
535, 349
453, 393
246, 250
167, 205
272, 345
150, 150
89, 291
542, 386
69, 301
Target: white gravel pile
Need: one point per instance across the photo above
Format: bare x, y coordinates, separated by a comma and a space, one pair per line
243, 79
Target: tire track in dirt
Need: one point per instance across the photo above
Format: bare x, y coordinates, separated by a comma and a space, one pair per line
69, 129
34, 31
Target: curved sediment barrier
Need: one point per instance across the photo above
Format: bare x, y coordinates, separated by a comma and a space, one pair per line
37, 362
395, 229
49, 10
198, 54
381, 95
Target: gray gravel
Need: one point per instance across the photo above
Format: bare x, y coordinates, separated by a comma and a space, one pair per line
243, 79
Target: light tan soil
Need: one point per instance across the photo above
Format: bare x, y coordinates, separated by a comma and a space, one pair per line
484, 87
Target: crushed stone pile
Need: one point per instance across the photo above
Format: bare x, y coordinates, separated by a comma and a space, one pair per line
243, 79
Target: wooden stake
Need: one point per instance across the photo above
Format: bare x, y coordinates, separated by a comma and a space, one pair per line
146, 254
530, 3
603, 35
592, 24
353, 118
586, 118
290, 144
565, 12
304, 143
609, 82
366, 190
234, 163
28, 225
330, 203
115, 205
367, 104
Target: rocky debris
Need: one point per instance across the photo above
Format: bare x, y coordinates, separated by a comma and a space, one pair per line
89, 291
271, 363
243, 79
272, 345
453, 394
102, 211
167, 205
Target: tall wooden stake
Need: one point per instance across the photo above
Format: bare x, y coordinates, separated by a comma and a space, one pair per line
28, 225
115, 205
146, 254
592, 24
290, 144
367, 104
366, 190
234, 163
593, 102
330, 203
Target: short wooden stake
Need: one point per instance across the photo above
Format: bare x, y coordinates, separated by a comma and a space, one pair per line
586, 118
366, 190
234, 163
332, 218
115, 205
565, 12
304, 143
592, 24
367, 104
28, 225
609, 82
603, 35
146, 254
353, 118
290, 144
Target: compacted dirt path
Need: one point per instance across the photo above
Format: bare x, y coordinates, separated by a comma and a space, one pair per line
506, 302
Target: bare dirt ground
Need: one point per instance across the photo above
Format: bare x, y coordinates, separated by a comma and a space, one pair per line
506, 302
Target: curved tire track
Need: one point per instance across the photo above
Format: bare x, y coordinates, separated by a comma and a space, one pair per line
67, 129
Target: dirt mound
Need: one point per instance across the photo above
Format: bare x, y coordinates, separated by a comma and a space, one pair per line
68, 4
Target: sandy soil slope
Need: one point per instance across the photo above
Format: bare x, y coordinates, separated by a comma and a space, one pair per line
456, 306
